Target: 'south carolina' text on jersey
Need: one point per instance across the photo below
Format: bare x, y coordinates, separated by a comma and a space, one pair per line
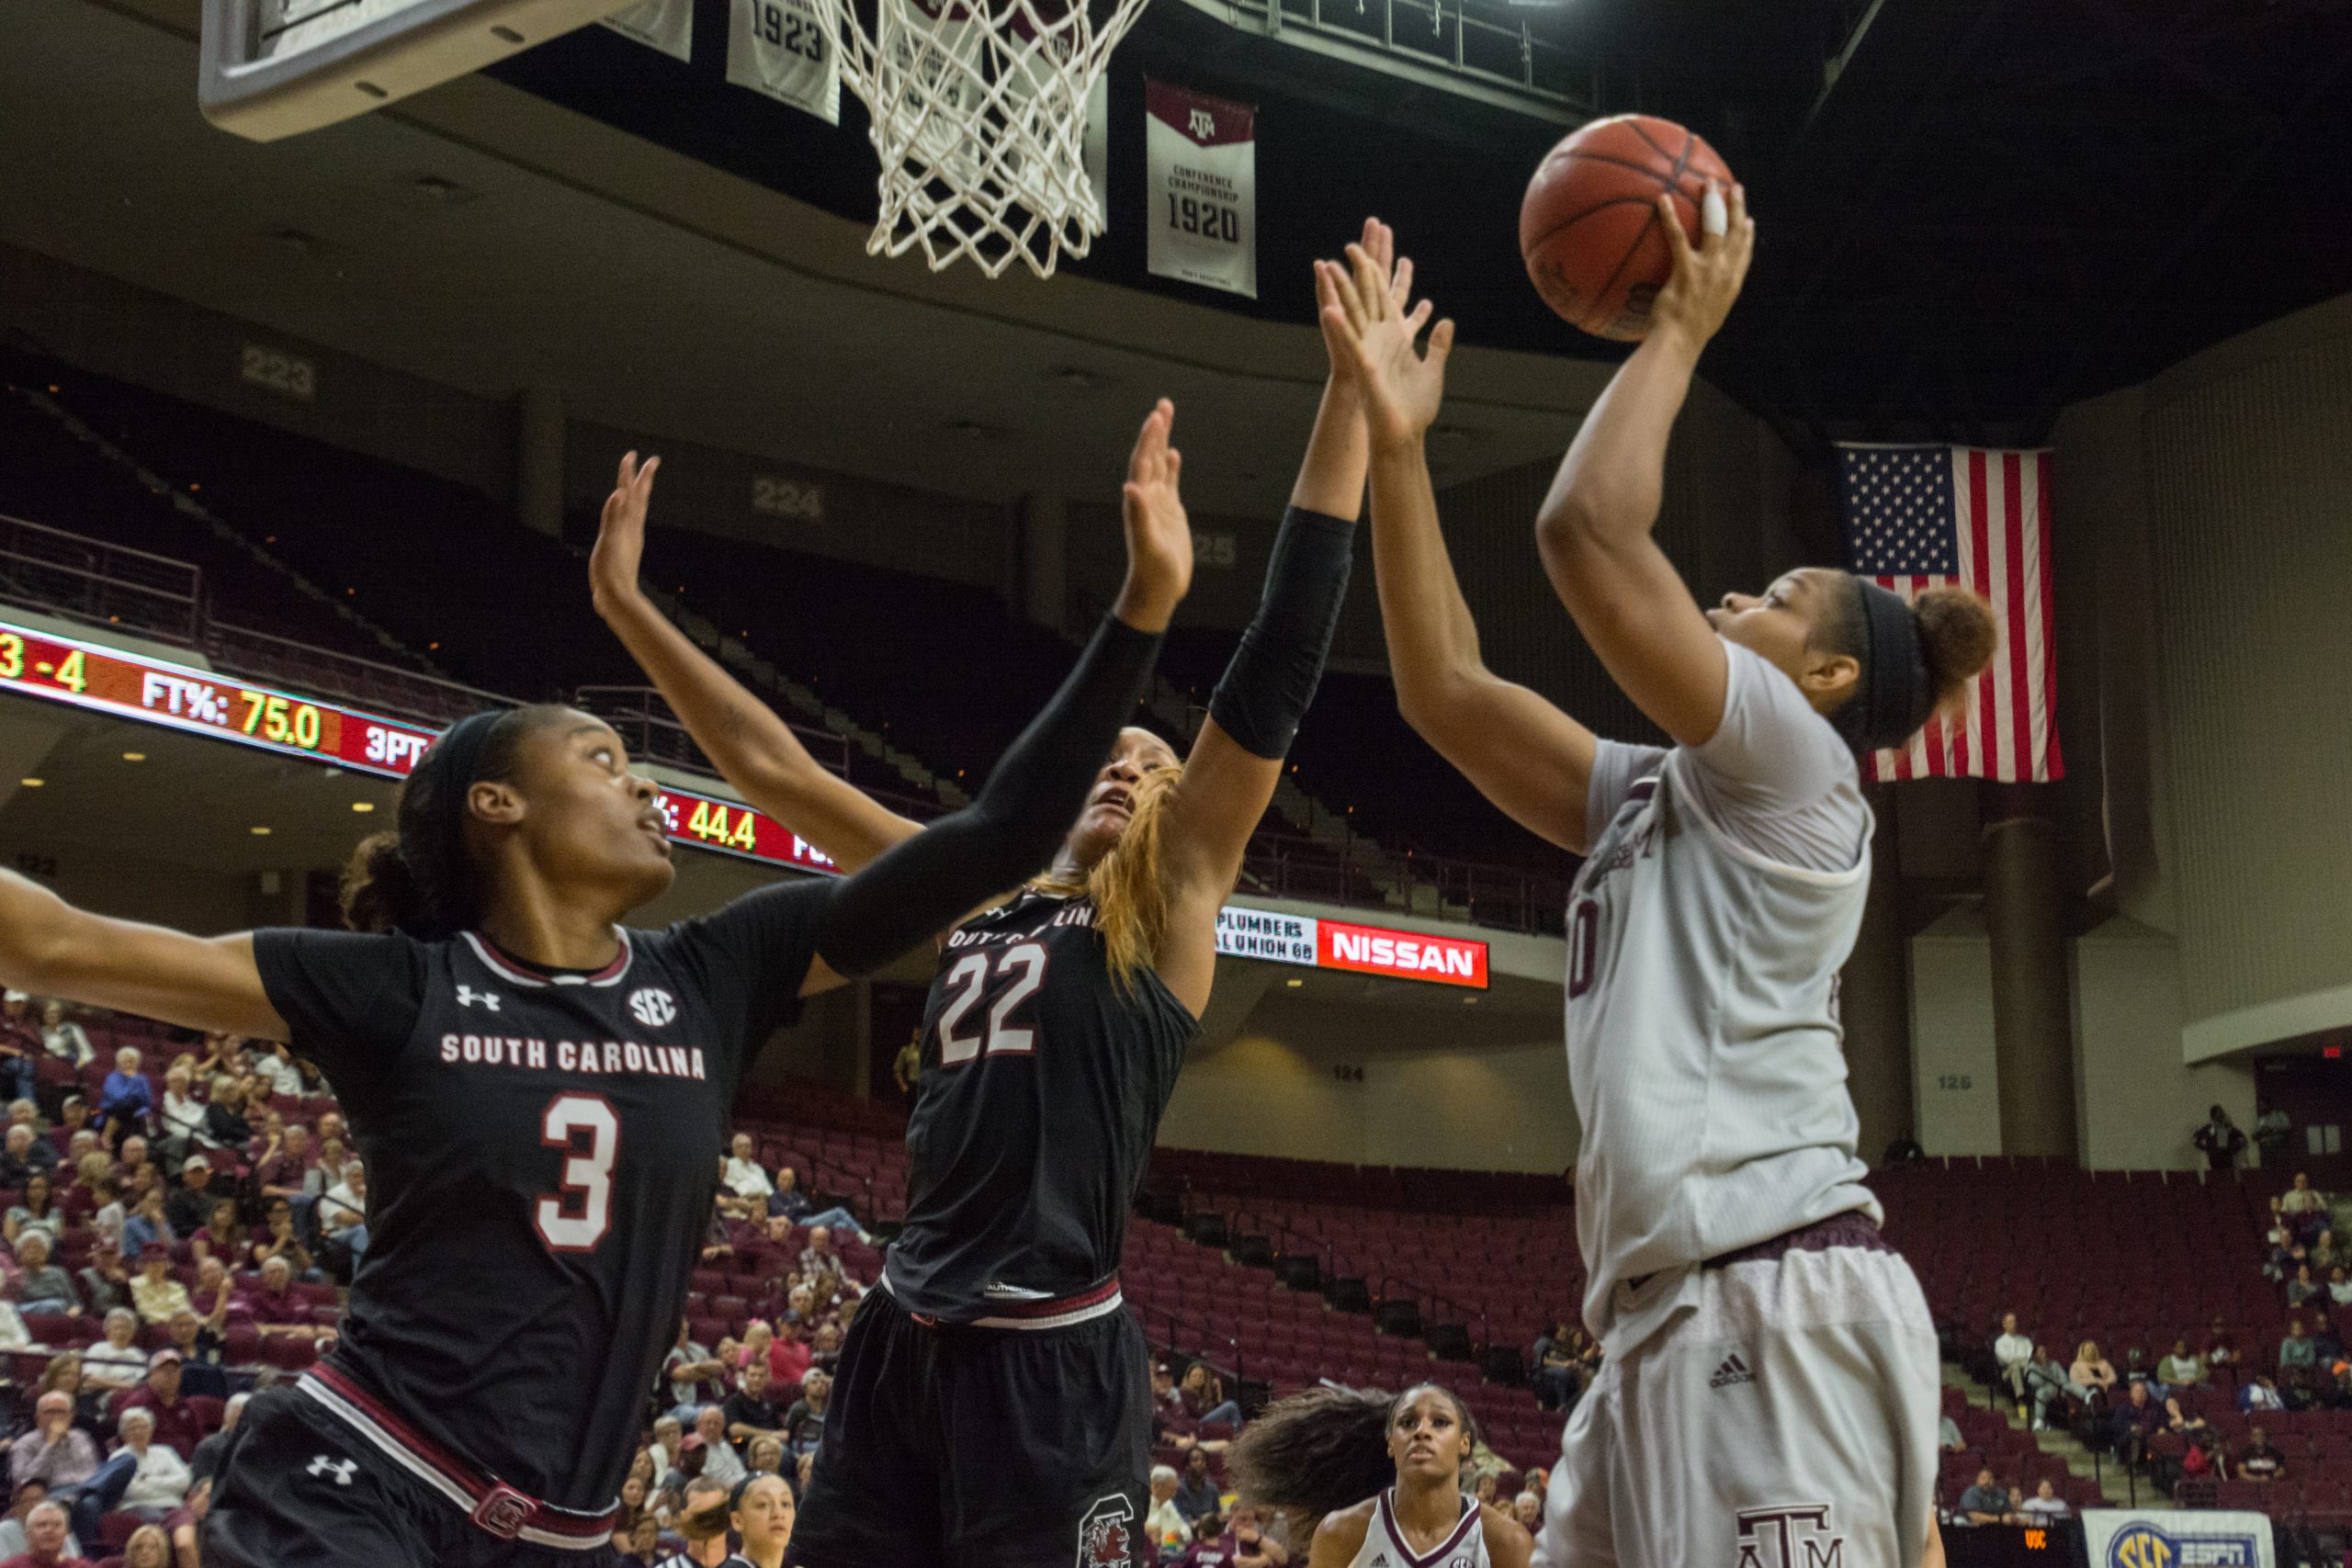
614, 1056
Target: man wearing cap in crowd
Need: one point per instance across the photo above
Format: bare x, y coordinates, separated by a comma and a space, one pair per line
178, 1426
190, 1204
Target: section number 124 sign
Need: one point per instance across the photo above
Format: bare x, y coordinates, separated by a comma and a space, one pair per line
1201, 155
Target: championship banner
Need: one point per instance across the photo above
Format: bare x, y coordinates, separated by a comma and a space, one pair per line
1201, 163
2127, 1537
780, 47
666, 24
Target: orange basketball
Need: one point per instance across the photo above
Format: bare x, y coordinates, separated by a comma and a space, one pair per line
1590, 228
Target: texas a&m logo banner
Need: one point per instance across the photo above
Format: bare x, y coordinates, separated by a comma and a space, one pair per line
1201, 158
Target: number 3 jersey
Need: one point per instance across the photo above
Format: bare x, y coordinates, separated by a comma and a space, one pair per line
1042, 1083
542, 1150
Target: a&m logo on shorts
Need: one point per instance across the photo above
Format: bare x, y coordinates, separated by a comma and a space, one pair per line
1103, 1539
1795, 1534
2146, 1546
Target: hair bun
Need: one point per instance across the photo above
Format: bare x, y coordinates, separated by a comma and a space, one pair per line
379, 887
1957, 638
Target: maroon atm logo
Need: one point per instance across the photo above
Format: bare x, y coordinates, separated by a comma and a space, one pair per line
1796, 1535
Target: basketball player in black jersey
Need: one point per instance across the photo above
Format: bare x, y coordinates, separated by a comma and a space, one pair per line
992, 1409
539, 1095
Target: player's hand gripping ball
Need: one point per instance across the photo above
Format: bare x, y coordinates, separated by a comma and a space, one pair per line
1590, 228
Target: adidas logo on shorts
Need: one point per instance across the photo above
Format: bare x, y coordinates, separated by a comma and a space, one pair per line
1733, 1370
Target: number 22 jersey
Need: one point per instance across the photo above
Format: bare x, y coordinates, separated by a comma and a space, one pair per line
1044, 1080
542, 1150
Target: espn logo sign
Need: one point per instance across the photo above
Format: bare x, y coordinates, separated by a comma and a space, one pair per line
1411, 955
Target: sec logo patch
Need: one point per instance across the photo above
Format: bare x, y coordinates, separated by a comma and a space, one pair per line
652, 1006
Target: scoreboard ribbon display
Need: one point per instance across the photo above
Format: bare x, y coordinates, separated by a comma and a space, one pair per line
178, 696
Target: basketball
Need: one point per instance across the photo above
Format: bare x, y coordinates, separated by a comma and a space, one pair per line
1588, 225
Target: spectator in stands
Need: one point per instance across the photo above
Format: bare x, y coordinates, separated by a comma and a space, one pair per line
116, 1361
343, 1216
176, 1425
47, 1543
292, 1172
226, 1131
749, 1412
223, 1236
2093, 1372
279, 1309
63, 1038
1984, 1503
2259, 1393
766, 1458
17, 1167
12, 1524
1253, 1547
721, 1464
1164, 1524
2339, 1286
2219, 1141
696, 1377
790, 1359
46, 1152
785, 1197
2302, 1288
105, 1280
2132, 1423
154, 1295
1552, 1369
2047, 1384
125, 1099
278, 1239
205, 1462
182, 1117
63, 1374
2220, 1345
201, 1351
2325, 1255
1203, 1394
2012, 1353
56, 1452
2297, 1357
148, 1547
191, 1204
2304, 1209
42, 1286
804, 1424
825, 1351
821, 1269
20, 1042
2259, 1460
214, 1299
1196, 1494
35, 1209
2045, 1506
1947, 1436
2181, 1369
159, 1479
741, 1175
272, 1064
906, 1067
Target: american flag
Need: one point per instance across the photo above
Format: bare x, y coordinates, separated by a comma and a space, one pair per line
1921, 517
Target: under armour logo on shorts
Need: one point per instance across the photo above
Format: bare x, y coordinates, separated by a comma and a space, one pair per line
343, 1469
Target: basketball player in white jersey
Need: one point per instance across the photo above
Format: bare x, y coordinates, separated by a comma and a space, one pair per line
1376, 1482
1769, 1398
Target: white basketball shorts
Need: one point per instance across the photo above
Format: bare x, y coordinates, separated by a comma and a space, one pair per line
1788, 1421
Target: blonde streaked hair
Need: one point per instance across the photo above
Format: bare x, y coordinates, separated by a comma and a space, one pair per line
1130, 893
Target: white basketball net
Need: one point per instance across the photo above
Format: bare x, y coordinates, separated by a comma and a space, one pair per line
979, 112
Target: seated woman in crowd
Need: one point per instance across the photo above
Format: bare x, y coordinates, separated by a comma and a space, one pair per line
116, 1362
226, 1131
215, 1298
222, 1236
148, 1224
148, 1547
1202, 1392
34, 1211
159, 1478
277, 1239
63, 1038
125, 1098
154, 1295
42, 1286
182, 1118
2093, 1372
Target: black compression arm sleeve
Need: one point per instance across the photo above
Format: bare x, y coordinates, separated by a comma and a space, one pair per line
1010, 832
1274, 672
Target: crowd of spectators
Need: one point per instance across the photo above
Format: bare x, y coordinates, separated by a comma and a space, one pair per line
2153, 1415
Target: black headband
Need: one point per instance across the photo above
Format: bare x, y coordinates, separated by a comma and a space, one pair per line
455, 761
1897, 692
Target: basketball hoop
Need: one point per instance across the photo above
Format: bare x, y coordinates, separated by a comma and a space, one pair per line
979, 110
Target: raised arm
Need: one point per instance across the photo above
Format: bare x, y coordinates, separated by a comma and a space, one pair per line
1594, 530
1237, 759
49, 947
755, 750
1522, 753
1020, 816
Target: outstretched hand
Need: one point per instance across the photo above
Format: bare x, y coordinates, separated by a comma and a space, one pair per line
1378, 244
1160, 534
1708, 274
1366, 324
620, 537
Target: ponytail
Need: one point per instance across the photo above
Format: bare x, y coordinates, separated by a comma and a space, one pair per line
419, 878
1317, 1452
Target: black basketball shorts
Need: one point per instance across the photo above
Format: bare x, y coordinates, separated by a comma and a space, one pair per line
984, 1448
297, 1488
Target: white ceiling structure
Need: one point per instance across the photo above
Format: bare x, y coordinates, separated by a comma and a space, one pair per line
656, 293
